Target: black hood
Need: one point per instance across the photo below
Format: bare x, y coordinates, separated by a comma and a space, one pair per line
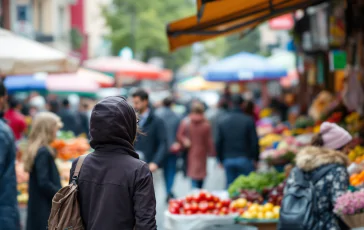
113, 123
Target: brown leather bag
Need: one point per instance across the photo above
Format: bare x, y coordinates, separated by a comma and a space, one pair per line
65, 213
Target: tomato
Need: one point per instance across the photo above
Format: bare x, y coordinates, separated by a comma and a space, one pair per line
202, 196
203, 207
226, 203
241, 212
211, 205
194, 207
216, 212
218, 205
216, 199
189, 199
174, 210
224, 211
209, 197
196, 198
187, 207
233, 210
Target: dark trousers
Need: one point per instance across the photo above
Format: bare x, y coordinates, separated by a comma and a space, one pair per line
169, 170
234, 167
197, 184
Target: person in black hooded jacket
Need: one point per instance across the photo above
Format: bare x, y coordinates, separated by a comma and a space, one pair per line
115, 188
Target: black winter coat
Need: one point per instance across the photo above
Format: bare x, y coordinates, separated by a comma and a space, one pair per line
44, 183
115, 187
153, 142
237, 136
9, 216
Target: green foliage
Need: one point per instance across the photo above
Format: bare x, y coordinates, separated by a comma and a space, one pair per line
141, 25
249, 43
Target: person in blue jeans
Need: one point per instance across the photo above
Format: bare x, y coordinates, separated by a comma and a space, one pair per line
171, 121
237, 143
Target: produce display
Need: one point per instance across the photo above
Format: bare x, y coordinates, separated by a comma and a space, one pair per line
266, 211
268, 140
255, 181
72, 148
201, 203
275, 195
357, 154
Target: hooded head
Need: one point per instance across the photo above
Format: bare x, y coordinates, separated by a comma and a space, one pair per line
113, 123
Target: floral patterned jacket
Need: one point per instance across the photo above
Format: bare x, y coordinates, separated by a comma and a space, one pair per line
332, 185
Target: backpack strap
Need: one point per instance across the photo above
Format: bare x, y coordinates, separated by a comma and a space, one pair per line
78, 168
322, 172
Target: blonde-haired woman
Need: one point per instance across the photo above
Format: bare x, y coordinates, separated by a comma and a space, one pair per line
44, 180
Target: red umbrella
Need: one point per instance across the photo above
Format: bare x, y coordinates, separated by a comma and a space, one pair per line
121, 67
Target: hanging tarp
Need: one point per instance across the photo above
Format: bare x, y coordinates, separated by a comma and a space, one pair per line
244, 67
198, 84
19, 56
227, 17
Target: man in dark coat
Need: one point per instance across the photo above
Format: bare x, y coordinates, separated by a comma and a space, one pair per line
115, 188
70, 120
172, 121
152, 144
9, 215
237, 143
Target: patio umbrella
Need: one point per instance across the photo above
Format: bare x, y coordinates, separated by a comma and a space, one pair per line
19, 56
86, 75
120, 67
243, 67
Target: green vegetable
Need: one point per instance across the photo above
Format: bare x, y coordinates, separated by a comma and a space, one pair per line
256, 181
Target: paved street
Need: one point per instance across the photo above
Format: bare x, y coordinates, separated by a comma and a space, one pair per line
215, 182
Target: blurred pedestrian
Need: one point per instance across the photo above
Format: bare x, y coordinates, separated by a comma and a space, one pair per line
70, 120
172, 122
152, 146
325, 162
237, 142
249, 109
83, 119
215, 114
195, 135
53, 106
115, 187
15, 119
39, 161
9, 215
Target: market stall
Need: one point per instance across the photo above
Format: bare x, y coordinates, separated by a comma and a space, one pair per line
20, 55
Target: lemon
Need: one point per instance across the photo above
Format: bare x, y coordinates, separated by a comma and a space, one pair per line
260, 215
276, 209
269, 215
268, 207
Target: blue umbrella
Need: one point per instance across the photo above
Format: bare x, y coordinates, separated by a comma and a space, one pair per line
25, 83
244, 67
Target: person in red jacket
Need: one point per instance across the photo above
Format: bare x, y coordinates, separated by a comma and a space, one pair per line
15, 119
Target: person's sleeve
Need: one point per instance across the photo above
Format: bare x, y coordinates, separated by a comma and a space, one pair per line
162, 143
180, 132
254, 141
144, 200
219, 143
3, 154
41, 164
290, 181
340, 183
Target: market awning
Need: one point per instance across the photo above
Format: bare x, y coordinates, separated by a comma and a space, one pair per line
120, 67
243, 67
19, 56
101, 79
226, 17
